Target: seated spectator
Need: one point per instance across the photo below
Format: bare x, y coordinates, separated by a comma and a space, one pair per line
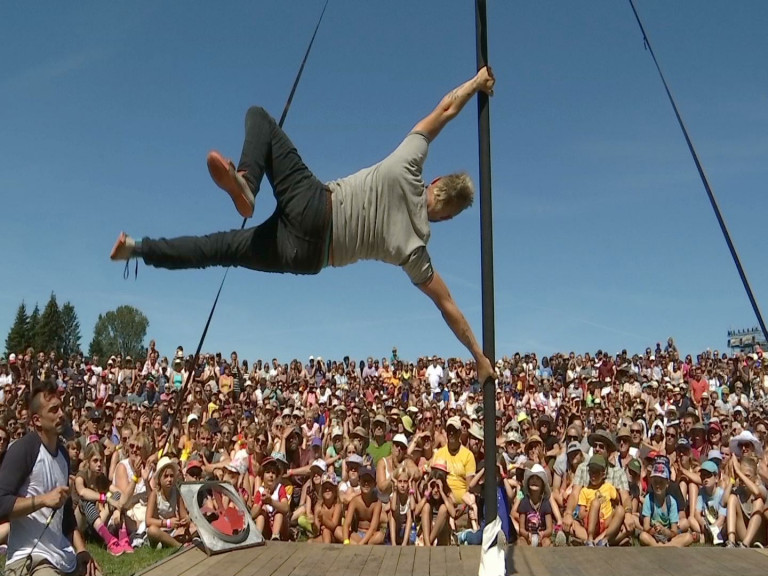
270, 502
326, 517
600, 513
167, 519
363, 514
745, 503
535, 511
659, 515
710, 513
100, 502
401, 521
435, 506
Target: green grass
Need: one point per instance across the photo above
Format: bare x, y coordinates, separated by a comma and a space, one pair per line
125, 565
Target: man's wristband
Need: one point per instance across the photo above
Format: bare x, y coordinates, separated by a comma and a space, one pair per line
102, 497
346, 541
34, 509
135, 479
168, 523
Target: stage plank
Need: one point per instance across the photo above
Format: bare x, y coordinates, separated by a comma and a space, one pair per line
437, 561
405, 561
389, 561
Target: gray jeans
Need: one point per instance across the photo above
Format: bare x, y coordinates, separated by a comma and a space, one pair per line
295, 238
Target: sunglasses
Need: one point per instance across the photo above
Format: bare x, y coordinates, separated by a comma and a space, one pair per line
670, 435
636, 431
599, 445
572, 438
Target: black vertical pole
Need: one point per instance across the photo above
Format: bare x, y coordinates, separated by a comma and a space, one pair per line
486, 259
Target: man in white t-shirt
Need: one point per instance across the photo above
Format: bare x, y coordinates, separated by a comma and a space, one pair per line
34, 497
434, 376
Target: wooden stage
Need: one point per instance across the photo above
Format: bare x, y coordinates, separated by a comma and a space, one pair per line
303, 559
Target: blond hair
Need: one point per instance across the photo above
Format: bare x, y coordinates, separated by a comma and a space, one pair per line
455, 191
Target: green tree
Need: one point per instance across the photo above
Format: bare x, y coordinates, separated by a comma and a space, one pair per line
70, 332
33, 329
50, 327
17, 336
119, 331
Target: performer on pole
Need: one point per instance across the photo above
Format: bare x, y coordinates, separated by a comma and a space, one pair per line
379, 213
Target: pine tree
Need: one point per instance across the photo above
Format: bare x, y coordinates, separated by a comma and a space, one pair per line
17, 336
50, 327
33, 328
70, 334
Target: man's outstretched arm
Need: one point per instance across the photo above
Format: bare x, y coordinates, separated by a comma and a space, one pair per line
454, 101
436, 289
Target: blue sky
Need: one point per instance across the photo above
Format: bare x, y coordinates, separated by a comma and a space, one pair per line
603, 234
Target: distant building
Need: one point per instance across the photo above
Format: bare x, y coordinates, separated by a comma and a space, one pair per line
746, 341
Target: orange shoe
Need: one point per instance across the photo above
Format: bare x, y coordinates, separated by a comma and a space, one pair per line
226, 177
123, 248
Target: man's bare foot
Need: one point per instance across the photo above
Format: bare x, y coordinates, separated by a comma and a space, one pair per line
123, 248
228, 179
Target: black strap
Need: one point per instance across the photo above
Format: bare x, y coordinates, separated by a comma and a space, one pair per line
704, 180
183, 391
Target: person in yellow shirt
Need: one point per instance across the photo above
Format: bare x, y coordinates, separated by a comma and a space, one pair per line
461, 468
600, 516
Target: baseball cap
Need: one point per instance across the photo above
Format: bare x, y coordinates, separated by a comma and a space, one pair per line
319, 464
191, 417
598, 461
354, 459
367, 471
317, 442
683, 444
336, 432
635, 466
360, 431
400, 439
715, 455
453, 422
710, 467
330, 478
659, 470
573, 447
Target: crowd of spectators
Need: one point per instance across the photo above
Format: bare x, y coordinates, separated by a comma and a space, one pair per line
655, 448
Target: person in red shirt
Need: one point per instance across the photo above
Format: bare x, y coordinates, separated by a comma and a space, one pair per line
698, 385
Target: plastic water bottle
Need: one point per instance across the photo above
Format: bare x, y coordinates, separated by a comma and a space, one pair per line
535, 540
413, 534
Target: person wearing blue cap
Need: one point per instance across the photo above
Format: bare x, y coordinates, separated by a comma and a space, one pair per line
711, 501
660, 514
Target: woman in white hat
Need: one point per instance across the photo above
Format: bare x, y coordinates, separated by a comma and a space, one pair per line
167, 519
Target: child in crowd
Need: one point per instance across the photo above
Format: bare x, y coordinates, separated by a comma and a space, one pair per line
326, 516
660, 515
350, 487
402, 506
98, 500
710, 512
600, 514
436, 506
363, 515
535, 510
745, 504
270, 502
311, 495
167, 520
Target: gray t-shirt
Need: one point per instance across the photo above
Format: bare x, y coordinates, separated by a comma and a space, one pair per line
380, 213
